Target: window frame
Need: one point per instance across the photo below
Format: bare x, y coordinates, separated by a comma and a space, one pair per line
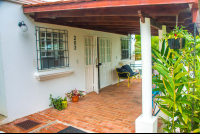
44, 42
127, 51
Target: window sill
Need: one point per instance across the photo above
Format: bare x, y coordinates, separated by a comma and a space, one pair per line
46, 75
125, 62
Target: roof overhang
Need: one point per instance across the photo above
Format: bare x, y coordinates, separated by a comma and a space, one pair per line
115, 16
25, 1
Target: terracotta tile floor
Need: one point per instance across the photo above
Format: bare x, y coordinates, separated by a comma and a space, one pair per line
114, 110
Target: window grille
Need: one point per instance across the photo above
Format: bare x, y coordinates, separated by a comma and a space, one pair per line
52, 48
125, 48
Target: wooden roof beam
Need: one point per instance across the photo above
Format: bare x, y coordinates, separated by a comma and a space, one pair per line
113, 30
88, 23
99, 4
167, 10
97, 29
154, 22
100, 19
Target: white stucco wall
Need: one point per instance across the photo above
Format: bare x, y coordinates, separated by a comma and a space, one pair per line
24, 93
3, 108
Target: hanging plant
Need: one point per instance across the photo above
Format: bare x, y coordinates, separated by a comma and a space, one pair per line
177, 38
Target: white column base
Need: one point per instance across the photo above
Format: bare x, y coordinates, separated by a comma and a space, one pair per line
146, 125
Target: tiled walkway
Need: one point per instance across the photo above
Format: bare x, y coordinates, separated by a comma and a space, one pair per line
113, 110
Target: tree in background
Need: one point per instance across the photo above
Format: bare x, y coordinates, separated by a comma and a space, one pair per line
154, 44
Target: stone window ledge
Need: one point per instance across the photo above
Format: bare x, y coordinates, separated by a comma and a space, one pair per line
52, 74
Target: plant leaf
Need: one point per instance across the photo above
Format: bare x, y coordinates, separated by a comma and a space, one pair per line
180, 109
163, 48
162, 66
180, 75
157, 80
196, 119
185, 102
178, 68
187, 111
197, 130
166, 112
193, 96
166, 51
178, 61
168, 88
167, 130
180, 126
166, 99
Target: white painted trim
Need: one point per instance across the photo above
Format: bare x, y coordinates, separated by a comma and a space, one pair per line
53, 74
125, 61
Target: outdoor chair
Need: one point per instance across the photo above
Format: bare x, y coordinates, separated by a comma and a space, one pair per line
125, 72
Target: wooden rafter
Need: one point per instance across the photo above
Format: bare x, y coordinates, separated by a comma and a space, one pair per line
115, 11
98, 4
154, 22
121, 19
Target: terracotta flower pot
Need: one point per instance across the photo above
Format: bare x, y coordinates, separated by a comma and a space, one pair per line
75, 98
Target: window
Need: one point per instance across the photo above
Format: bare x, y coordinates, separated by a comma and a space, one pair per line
52, 48
125, 48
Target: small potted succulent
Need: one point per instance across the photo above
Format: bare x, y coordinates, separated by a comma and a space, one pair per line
176, 38
75, 94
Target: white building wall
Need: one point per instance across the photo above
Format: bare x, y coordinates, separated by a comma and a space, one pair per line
25, 94
3, 109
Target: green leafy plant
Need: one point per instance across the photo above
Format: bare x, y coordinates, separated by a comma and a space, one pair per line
57, 102
75, 93
154, 44
177, 33
178, 99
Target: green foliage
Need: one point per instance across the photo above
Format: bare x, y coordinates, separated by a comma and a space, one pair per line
178, 32
177, 101
57, 102
154, 44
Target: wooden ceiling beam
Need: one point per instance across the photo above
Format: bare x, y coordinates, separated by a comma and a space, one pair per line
87, 23
101, 4
113, 30
111, 26
170, 10
185, 24
154, 22
100, 19
181, 19
100, 29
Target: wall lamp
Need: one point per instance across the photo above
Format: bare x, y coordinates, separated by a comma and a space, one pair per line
23, 26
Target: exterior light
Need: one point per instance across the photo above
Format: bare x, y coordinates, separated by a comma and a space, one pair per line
23, 26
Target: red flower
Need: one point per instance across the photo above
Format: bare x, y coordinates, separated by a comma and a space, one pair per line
175, 35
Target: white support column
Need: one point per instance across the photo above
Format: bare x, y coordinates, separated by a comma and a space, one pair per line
146, 123
133, 48
160, 33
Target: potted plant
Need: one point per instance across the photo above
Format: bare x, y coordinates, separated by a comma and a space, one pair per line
59, 103
75, 94
176, 38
